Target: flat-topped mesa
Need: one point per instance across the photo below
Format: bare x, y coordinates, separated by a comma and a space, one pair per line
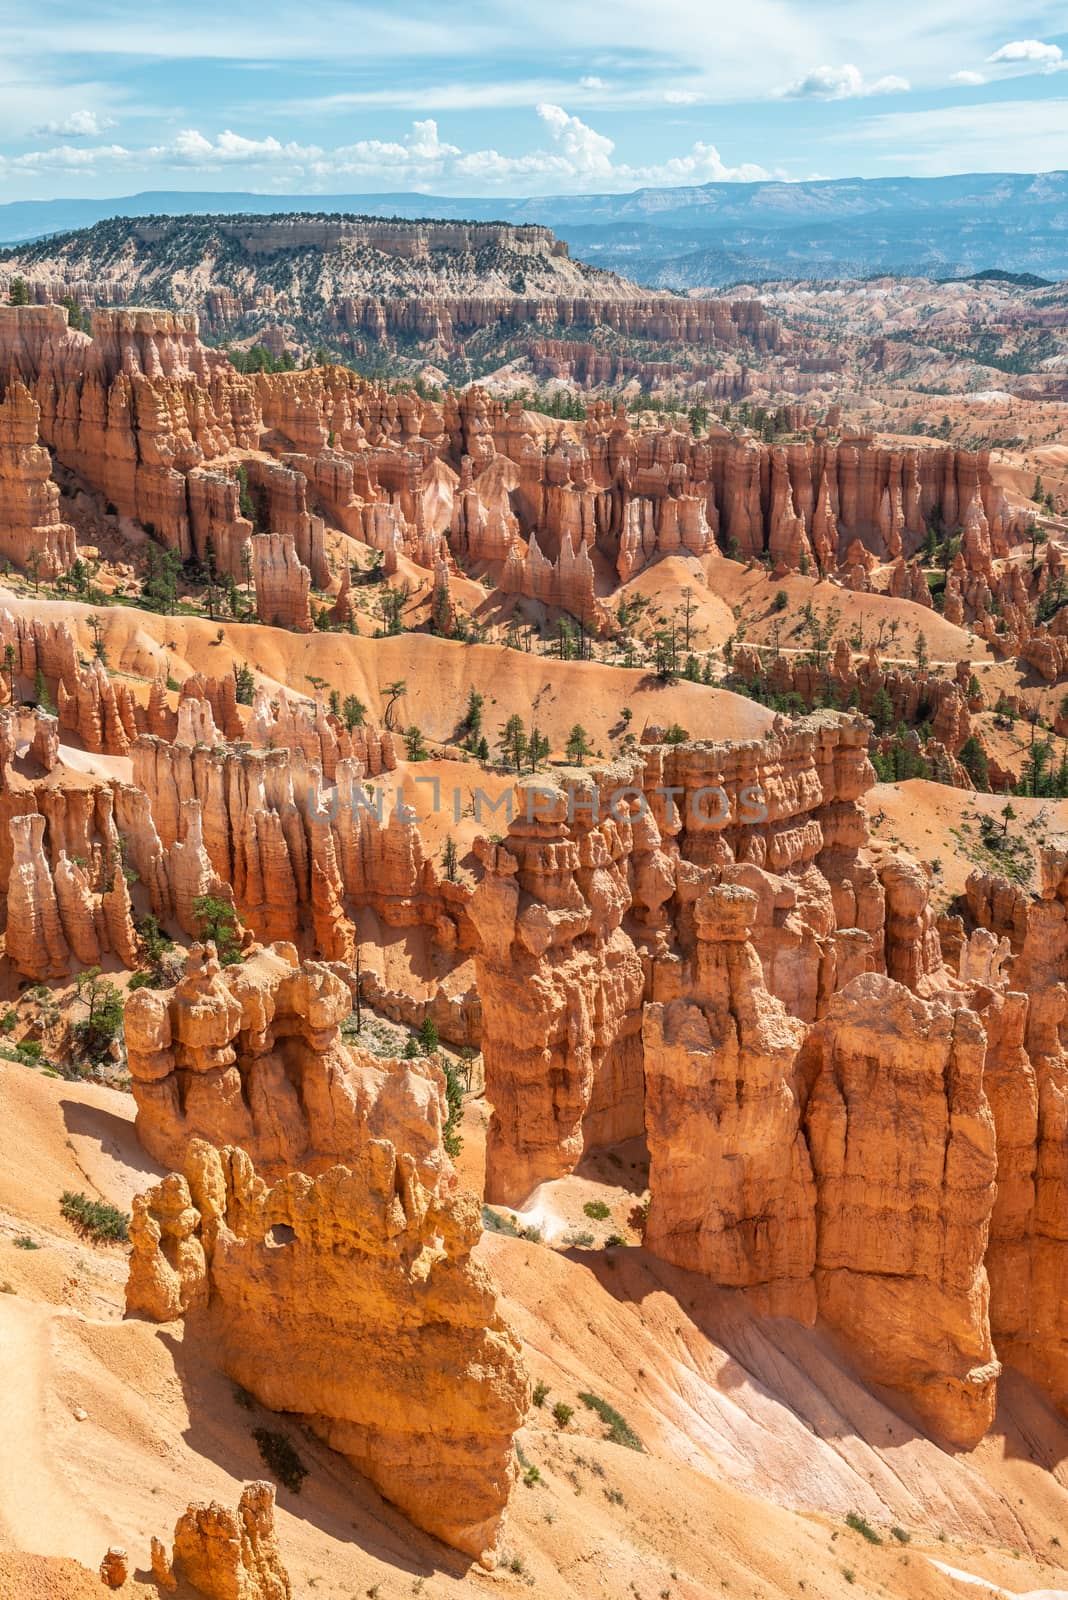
615, 304
351, 1300
251, 1055
411, 241
32, 533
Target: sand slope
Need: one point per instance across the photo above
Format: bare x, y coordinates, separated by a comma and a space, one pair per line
757, 1438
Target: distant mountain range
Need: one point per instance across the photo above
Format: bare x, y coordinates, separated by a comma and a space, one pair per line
709, 235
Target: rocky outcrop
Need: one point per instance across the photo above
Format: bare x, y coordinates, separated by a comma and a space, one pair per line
251, 1055
903, 1221
32, 532
552, 950
262, 823
281, 581
232, 1554
351, 1300
732, 1189
704, 943
589, 902
36, 943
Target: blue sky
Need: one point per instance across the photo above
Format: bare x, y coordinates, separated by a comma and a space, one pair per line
520, 98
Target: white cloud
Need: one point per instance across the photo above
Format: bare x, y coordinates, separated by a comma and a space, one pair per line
78, 125
593, 83
967, 78
842, 83
1003, 136
681, 97
69, 158
586, 150
1030, 50
576, 156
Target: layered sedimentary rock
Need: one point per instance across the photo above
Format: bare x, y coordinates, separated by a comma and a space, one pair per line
251, 1055
282, 582
209, 459
32, 532
612, 864
733, 1195
911, 697
266, 826
36, 942
228, 1554
351, 1300
73, 906
709, 945
551, 948
902, 1220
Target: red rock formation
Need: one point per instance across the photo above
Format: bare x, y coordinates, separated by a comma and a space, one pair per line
282, 583
36, 943
350, 1299
902, 1231
251, 1055
261, 823
32, 534
231, 1555
732, 1188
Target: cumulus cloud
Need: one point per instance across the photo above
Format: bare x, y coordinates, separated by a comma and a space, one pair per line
69, 158
78, 125
967, 78
575, 156
593, 83
586, 150
1033, 51
846, 82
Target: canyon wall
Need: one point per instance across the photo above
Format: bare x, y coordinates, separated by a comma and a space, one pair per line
838, 1124
171, 436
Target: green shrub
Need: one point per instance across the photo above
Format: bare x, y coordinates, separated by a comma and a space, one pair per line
614, 1240
95, 1219
901, 1535
24, 1242
597, 1210
493, 1222
280, 1459
580, 1237
540, 1391
862, 1526
619, 1430
562, 1414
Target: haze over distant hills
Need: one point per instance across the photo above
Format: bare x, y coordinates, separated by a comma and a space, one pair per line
713, 234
